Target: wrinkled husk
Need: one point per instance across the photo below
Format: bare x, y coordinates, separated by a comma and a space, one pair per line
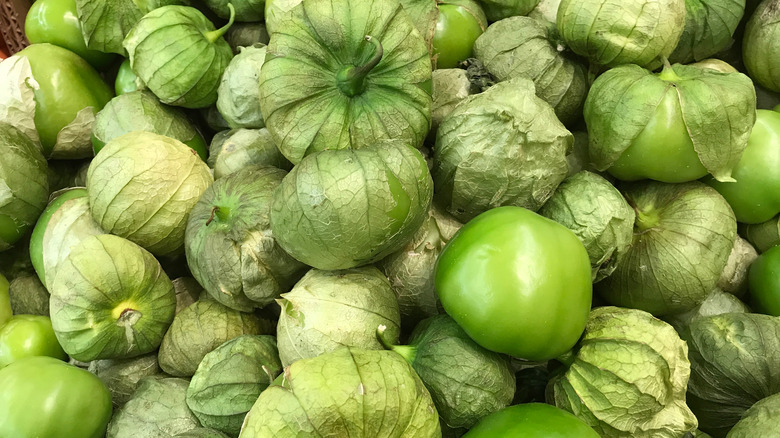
157, 409
348, 392
504, 146
410, 270
198, 330
233, 150
525, 47
466, 381
123, 376
597, 213
238, 93
330, 309
229, 380
628, 377
734, 361
142, 186
683, 236
615, 32
340, 209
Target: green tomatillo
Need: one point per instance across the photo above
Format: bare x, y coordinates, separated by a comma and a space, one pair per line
501, 278
57, 22
674, 126
328, 85
755, 196
46, 397
66, 94
126, 79
28, 335
764, 282
458, 25
531, 420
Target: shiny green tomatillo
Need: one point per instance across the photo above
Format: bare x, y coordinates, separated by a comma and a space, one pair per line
57, 22
531, 420
45, 397
764, 282
28, 335
755, 196
518, 283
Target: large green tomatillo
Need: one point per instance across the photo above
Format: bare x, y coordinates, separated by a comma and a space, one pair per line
349, 392
110, 300
26, 336
178, 54
68, 93
339, 209
531, 420
683, 236
142, 187
63, 224
615, 32
755, 196
760, 50
675, 126
57, 22
24, 187
764, 282
46, 397
327, 85
459, 23
229, 245
502, 279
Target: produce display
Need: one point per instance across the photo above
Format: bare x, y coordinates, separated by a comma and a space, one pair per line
391, 219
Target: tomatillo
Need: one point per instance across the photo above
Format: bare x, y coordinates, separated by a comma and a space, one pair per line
459, 24
517, 283
531, 420
57, 22
764, 282
755, 196
45, 397
125, 81
68, 85
28, 335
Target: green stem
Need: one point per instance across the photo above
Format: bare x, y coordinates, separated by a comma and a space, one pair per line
668, 73
351, 79
216, 34
222, 214
409, 352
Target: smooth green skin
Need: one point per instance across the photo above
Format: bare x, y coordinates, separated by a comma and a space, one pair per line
28, 335
453, 39
125, 79
531, 420
45, 397
764, 283
36, 239
755, 196
518, 283
57, 22
68, 84
663, 151
5, 301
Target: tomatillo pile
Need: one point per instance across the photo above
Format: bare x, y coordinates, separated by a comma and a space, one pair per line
391, 219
